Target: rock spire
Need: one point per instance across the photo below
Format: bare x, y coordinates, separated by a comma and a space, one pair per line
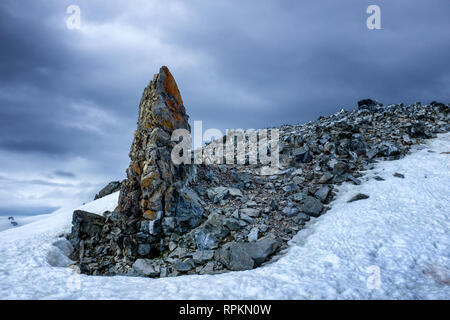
154, 184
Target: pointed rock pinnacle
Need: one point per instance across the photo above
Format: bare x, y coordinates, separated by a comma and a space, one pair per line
153, 185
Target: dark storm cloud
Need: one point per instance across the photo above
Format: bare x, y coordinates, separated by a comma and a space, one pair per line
311, 58
32, 146
75, 93
42, 77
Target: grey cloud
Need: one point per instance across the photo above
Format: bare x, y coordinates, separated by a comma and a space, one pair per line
64, 174
35, 182
47, 183
32, 146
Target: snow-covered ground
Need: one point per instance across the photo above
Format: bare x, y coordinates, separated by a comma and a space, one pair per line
394, 245
5, 222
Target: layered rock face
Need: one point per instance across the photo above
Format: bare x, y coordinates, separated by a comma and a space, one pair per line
184, 219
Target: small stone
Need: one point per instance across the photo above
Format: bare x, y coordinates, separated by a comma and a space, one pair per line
204, 240
290, 187
182, 266
254, 213
163, 272
144, 249
232, 224
322, 193
223, 193
302, 155
269, 186
303, 216
388, 149
145, 267
210, 176
253, 235
372, 153
297, 172
312, 206
202, 256
298, 221
208, 268
327, 176
234, 192
299, 196
298, 180
359, 196
340, 168
274, 204
217, 194
246, 218
290, 211
65, 246
354, 180
329, 147
172, 245
399, 175
251, 204
143, 237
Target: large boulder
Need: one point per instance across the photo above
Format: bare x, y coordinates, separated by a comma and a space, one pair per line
312, 206
57, 258
65, 246
247, 255
261, 249
369, 104
222, 193
145, 267
236, 258
85, 225
111, 187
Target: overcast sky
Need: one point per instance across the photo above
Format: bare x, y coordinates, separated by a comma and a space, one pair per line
69, 98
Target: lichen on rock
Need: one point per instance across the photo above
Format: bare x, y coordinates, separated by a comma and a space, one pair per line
154, 185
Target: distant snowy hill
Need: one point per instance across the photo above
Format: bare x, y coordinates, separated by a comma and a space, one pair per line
393, 245
7, 223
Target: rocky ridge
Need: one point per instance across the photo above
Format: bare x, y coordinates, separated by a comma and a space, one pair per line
205, 219
111, 187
